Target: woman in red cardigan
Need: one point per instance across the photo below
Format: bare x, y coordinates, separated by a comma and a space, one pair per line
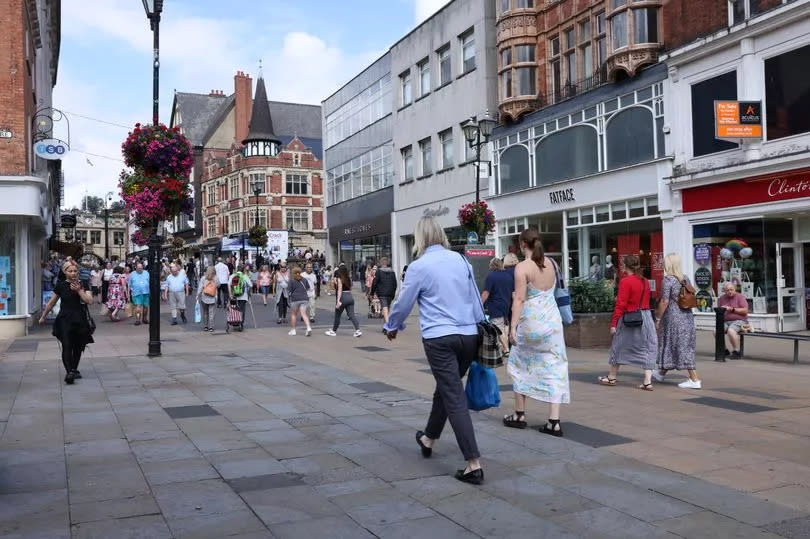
632, 344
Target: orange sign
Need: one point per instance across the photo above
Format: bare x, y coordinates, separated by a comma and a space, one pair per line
737, 119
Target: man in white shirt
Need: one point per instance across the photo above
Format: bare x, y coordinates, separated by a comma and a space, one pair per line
310, 276
105, 282
222, 279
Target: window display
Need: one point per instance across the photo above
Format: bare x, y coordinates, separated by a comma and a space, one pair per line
8, 267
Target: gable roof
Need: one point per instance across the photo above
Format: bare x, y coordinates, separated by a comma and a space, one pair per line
198, 112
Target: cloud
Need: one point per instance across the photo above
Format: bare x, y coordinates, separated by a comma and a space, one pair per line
425, 8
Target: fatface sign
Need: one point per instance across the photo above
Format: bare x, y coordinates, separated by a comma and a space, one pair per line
770, 188
562, 196
737, 119
50, 148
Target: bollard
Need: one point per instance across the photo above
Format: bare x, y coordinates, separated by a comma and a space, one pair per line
720, 335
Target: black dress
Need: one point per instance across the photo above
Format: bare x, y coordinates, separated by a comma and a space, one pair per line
71, 326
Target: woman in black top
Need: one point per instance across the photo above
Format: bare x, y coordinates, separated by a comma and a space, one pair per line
71, 326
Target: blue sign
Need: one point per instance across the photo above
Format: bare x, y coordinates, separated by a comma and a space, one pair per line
472, 238
231, 244
50, 148
703, 254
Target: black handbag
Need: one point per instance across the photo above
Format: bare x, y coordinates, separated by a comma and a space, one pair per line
91, 324
633, 319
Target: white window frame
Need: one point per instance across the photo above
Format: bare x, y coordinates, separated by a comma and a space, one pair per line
407, 162
426, 156
234, 187
294, 180
298, 218
234, 223
253, 176
447, 143
466, 42
406, 88
424, 77
442, 54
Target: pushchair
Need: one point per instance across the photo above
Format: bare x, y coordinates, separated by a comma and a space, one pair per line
374, 307
234, 317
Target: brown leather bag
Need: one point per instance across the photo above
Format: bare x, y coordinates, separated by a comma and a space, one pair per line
687, 300
210, 289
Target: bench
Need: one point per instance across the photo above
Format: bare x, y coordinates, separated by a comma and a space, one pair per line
768, 335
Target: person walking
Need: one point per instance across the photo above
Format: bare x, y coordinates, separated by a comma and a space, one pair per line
312, 280
47, 277
384, 286
299, 300
177, 288
538, 363
117, 293
95, 283
499, 286
282, 293
344, 301
264, 280
191, 273
635, 345
676, 339
441, 282
328, 281
84, 276
207, 296
105, 282
139, 294
222, 279
72, 325
239, 290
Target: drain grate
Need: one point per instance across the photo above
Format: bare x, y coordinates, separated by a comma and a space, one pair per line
186, 412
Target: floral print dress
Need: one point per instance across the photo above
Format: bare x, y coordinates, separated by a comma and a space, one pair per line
115, 292
538, 363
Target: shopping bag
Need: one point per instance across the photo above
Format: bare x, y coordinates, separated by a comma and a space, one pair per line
129, 310
197, 312
760, 302
104, 310
562, 297
482, 388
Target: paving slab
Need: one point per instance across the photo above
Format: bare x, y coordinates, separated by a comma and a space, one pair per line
289, 504
142, 527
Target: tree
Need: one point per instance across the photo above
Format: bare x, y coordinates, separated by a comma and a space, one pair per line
118, 205
92, 204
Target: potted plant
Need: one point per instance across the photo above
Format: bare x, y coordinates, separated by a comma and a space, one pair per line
592, 303
477, 217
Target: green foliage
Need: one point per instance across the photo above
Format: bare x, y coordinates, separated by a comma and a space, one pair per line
589, 296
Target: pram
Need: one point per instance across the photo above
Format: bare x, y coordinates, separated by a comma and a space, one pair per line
234, 317
374, 307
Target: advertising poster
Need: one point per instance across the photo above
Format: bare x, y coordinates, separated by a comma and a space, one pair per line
5, 265
278, 244
5, 296
46, 297
703, 254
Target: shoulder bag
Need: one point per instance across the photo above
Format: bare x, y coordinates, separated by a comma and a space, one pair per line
91, 324
210, 289
490, 350
562, 297
633, 319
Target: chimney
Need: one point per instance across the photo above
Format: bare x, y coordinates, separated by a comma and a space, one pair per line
243, 101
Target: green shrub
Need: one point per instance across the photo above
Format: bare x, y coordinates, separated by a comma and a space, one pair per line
589, 296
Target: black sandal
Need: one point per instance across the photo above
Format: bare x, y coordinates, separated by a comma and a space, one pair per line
516, 420
555, 429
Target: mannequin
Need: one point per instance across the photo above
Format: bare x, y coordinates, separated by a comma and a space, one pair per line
595, 271
610, 271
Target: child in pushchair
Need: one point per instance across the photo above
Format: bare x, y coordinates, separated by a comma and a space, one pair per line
374, 307
234, 318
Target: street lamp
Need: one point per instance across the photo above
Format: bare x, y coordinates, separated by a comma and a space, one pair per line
473, 131
290, 232
258, 187
107, 202
223, 207
153, 9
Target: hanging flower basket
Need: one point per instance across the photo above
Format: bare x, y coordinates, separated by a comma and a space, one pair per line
158, 150
476, 217
257, 236
140, 238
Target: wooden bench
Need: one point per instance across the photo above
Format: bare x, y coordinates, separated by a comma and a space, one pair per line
768, 335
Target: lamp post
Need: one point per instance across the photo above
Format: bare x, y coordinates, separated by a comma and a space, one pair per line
153, 9
258, 186
474, 129
107, 202
290, 232
223, 207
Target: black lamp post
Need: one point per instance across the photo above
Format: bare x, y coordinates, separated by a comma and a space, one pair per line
107, 201
258, 187
474, 130
290, 232
153, 10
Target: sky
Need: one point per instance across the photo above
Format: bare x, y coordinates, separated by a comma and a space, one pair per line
308, 50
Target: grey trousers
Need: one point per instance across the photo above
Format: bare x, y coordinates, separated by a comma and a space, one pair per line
449, 358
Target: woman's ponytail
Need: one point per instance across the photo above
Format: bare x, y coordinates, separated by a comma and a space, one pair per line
531, 237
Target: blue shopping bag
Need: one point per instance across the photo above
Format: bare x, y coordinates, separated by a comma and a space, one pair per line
197, 312
482, 388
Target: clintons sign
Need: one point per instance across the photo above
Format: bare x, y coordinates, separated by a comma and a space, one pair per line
787, 185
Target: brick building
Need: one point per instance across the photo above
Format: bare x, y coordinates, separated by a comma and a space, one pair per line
29, 185
238, 141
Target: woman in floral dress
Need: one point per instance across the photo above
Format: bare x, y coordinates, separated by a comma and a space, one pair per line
676, 339
116, 293
538, 363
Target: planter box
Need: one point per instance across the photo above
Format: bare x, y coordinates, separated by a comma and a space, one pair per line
589, 330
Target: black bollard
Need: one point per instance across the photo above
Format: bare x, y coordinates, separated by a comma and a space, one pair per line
720, 335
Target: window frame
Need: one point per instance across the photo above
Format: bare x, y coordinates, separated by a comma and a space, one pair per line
426, 156
443, 55
406, 154
464, 46
298, 218
446, 141
252, 176
95, 237
299, 180
234, 187
405, 88
424, 76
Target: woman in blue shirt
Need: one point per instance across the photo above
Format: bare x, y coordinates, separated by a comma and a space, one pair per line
441, 281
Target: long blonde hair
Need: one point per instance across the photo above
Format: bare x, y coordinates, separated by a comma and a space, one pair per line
672, 266
428, 232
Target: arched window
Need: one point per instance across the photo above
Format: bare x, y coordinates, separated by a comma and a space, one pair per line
567, 154
513, 169
630, 137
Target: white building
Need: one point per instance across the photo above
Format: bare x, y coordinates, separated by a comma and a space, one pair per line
756, 191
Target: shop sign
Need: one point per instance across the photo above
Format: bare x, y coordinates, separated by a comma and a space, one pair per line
787, 185
562, 196
704, 301
703, 278
50, 148
703, 254
737, 119
437, 212
356, 229
486, 252
5, 133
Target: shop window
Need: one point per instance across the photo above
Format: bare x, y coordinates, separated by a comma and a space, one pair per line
8, 269
630, 137
567, 154
703, 96
513, 169
787, 93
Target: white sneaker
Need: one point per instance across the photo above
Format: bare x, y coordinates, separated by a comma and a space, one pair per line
657, 376
291, 332
309, 332
690, 384
330, 333
358, 333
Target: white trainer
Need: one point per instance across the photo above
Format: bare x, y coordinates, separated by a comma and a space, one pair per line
657, 376
330, 333
291, 332
358, 333
690, 384
309, 332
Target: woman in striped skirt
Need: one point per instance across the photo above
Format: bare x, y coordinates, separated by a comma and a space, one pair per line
635, 345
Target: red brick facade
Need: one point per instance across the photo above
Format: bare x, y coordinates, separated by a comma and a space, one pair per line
243, 92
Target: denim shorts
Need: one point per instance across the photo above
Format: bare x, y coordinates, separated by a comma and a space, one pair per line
264, 289
296, 305
141, 299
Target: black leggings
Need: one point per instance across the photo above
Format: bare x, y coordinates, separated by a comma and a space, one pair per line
222, 295
71, 353
347, 304
282, 306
